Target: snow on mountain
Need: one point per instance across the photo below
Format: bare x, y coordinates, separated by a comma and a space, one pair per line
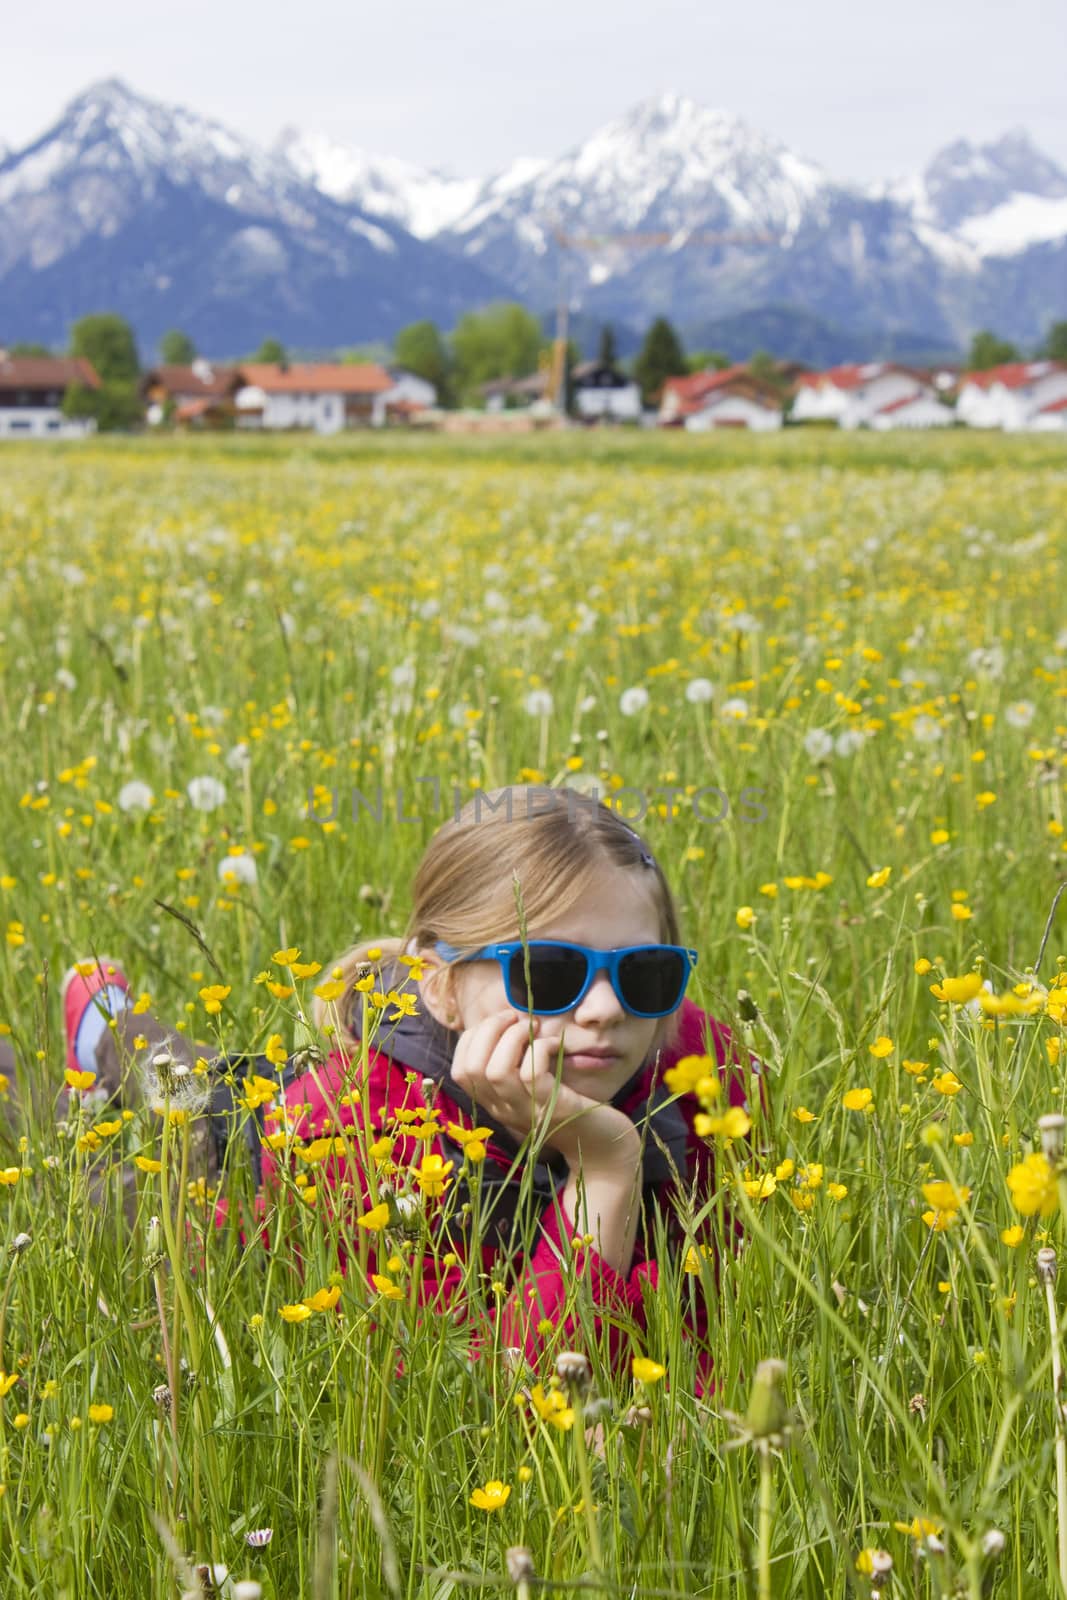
668, 163
1022, 221
181, 222
422, 200
177, 221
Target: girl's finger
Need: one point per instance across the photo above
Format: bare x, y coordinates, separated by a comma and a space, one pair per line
540, 1061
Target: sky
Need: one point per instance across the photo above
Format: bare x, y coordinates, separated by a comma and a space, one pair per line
868, 90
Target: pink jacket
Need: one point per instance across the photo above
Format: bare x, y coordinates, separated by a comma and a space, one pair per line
313, 1105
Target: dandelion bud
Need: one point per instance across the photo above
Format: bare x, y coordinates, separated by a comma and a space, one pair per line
573, 1369
1046, 1265
19, 1243
519, 1561
162, 1396
638, 1416
881, 1564
993, 1543
153, 1239
259, 1538
767, 1413
1052, 1129
429, 1089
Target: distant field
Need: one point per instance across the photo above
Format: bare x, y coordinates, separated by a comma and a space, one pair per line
878, 630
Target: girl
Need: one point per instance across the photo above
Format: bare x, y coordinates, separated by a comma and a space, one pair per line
471, 1057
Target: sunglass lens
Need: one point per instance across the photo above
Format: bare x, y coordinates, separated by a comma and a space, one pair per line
556, 978
652, 981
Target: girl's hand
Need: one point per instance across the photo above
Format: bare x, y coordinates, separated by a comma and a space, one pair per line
516, 1084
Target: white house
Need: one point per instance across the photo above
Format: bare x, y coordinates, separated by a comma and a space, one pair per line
601, 391
853, 396
324, 396
732, 398
31, 396
913, 411
409, 395
1019, 396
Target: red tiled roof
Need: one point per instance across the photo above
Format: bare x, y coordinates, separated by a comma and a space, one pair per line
699, 384
46, 372
1013, 374
1054, 405
317, 378
187, 381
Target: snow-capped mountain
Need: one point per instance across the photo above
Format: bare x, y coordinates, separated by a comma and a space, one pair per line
671, 207
176, 221
421, 200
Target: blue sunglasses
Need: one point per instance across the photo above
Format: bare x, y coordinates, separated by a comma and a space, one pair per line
649, 979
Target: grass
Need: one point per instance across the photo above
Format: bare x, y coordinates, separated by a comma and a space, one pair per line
375, 612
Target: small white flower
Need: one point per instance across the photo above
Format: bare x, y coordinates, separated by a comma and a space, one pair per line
818, 744
631, 701
242, 867
1019, 714
926, 730
735, 710
847, 743
65, 679
588, 704
699, 691
247, 1589
205, 793
239, 759
135, 796
259, 1537
539, 702
743, 622
403, 676
457, 715
211, 713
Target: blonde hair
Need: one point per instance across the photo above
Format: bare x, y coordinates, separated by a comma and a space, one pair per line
558, 843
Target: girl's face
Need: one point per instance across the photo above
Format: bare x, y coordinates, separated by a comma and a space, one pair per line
621, 911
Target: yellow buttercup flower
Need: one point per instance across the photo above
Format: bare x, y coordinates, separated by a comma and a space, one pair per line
858, 1099
957, 991
492, 1497
1033, 1186
323, 1299
647, 1371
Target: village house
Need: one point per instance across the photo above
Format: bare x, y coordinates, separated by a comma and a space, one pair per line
876, 394
325, 396
197, 396
508, 394
602, 392
732, 398
1021, 396
409, 397
31, 396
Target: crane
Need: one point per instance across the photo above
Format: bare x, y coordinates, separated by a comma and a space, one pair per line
680, 238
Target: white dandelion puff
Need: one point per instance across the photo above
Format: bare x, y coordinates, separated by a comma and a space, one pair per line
848, 742
698, 691
734, 710
206, 793
818, 744
631, 701
926, 730
539, 703
242, 868
135, 796
1019, 714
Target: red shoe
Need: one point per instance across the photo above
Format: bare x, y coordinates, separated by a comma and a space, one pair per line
77, 992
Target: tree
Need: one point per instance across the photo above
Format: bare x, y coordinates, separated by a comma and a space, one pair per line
419, 348
106, 340
661, 357
607, 355
501, 341
176, 349
28, 348
272, 353
1056, 342
987, 350
115, 406
708, 361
